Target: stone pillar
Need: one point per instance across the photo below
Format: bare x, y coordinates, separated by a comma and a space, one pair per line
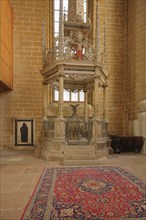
59, 137
40, 146
105, 123
97, 125
60, 103
98, 140
104, 101
85, 104
53, 146
45, 101
96, 89
50, 94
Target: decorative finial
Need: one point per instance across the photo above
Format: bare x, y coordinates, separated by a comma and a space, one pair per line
61, 33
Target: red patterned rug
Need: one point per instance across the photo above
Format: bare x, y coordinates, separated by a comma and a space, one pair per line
93, 193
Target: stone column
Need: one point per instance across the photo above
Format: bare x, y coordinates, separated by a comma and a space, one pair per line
50, 94
97, 126
105, 123
60, 103
85, 104
41, 145
104, 101
96, 89
45, 101
58, 142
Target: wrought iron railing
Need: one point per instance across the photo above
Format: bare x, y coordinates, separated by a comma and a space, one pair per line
77, 130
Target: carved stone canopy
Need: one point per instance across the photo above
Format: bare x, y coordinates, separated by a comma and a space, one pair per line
77, 75
73, 54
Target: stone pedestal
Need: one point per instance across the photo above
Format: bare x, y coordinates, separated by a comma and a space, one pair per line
98, 140
54, 140
96, 130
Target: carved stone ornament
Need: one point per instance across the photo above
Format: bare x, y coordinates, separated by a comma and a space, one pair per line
96, 110
79, 76
60, 108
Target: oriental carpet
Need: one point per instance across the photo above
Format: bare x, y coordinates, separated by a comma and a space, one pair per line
87, 193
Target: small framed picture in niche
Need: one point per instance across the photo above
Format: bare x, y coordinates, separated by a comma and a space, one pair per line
24, 132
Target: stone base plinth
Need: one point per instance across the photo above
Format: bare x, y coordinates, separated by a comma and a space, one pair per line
53, 151
78, 155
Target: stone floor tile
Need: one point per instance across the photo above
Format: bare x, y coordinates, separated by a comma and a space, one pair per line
11, 214
32, 170
9, 187
14, 200
27, 187
16, 178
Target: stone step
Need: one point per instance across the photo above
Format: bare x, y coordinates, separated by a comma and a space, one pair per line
81, 150
67, 153
78, 153
80, 157
81, 162
78, 147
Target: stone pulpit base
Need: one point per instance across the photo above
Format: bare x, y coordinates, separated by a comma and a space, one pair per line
54, 139
57, 147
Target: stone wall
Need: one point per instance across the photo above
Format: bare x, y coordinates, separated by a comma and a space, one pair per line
25, 101
124, 55
136, 61
136, 64
113, 14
